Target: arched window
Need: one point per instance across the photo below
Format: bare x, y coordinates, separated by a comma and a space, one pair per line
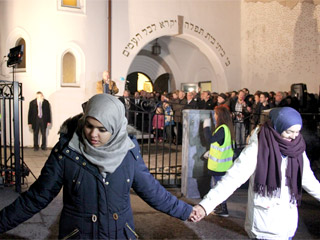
68, 70
71, 67
21, 67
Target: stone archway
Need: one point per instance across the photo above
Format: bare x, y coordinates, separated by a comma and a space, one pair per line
169, 62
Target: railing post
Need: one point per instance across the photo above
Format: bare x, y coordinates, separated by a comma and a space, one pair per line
16, 133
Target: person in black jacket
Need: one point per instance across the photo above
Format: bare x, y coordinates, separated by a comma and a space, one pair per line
206, 101
128, 105
280, 100
39, 118
96, 163
191, 103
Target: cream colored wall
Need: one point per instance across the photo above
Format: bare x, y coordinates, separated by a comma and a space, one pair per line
260, 45
49, 33
211, 26
280, 45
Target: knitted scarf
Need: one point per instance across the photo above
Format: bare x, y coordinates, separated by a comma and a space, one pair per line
268, 172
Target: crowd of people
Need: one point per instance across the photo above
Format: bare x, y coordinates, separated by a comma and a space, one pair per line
248, 110
96, 163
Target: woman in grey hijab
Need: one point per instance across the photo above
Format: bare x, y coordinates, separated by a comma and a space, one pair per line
97, 164
103, 135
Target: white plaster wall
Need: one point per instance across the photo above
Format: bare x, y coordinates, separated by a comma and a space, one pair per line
148, 66
212, 26
265, 46
49, 33
182, 59
280, 46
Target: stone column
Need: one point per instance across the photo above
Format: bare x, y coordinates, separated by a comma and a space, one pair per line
195, 180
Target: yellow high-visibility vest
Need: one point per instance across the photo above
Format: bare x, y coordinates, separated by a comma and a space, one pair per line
220, 157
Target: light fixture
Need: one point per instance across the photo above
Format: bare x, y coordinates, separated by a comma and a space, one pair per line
156, 49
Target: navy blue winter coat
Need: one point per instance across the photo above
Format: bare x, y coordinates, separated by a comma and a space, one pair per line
92, 208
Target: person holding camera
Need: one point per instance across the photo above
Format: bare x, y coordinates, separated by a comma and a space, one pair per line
240, 113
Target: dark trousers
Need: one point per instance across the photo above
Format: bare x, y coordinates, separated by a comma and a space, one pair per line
179, 133
39, 126
216, 179
168, 133
158, 133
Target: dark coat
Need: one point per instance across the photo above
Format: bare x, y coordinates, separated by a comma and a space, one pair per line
209, 105
177, 106
122, 99
33, 112
191, 105
138, 106
93, 208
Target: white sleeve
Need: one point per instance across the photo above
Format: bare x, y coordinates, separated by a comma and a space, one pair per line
243, 167
309, 181
207, 123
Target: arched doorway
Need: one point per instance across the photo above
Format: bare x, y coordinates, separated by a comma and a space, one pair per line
182, 61
162, 83
138, 81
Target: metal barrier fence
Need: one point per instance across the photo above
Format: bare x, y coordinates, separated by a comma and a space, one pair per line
161, 150
12, 166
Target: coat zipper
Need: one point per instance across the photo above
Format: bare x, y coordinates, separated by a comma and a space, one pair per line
74, 232
137, 236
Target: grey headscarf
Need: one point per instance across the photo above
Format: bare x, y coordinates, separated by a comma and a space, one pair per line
110, 112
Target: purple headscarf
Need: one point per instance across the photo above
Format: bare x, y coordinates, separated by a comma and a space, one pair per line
284, 118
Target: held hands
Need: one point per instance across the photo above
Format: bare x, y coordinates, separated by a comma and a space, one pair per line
197, 214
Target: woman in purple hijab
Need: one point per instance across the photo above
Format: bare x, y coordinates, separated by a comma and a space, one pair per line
278, 168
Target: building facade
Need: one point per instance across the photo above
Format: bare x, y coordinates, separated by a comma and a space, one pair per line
258, 44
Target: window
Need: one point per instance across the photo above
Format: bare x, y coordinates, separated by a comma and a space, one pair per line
189, 87
71, 66
16, 37
68, 70
21, 67
70, 3
75, 6
205, 86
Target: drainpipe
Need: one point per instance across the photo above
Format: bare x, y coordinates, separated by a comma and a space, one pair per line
109, 37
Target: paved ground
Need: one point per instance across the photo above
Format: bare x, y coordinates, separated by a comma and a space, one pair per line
151, 224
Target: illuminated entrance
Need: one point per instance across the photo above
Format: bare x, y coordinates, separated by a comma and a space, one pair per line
138, 81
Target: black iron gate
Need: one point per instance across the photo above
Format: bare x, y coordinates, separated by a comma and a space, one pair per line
161, 153
12, 166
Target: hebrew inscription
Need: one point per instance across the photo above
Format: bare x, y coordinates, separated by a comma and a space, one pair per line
154, 27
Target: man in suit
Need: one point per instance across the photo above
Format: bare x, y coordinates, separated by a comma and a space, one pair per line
39, 117
191, 103
106, 85
128, 105
136, 107
206, 102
